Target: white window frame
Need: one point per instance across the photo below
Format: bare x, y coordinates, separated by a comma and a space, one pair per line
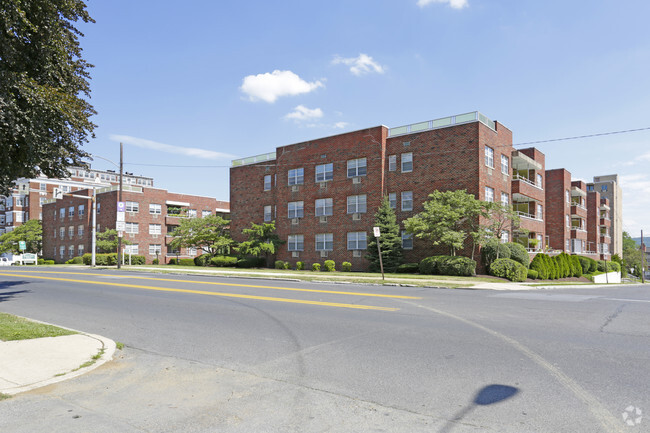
70, 232
505, 199
71, 211
357, 167
489, 156
155, 249
324, 172
296, 243
324, 242
357, 203
206, 213
80, 230
392, 162
296, 209
267, 182
324, 207
296, 176
268, 213
155, 209
407, 162
62, 213
540, 211
132, 228
539, 182
505, 165
407, 240
489, 194
392, 200
191, 213
357, 240
407, 200
155, 229
132, 206
70, 250
80, 250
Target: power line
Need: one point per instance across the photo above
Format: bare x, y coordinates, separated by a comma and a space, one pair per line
583, 136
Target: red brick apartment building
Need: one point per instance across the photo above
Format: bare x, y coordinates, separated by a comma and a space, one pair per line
323, 193
151, 214
27, 198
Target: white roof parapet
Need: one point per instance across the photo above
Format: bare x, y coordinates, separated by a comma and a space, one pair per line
577, 191
176, 203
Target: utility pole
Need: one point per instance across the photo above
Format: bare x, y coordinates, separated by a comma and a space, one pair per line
119, 199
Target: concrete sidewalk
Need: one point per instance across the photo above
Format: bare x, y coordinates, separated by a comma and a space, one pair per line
30, 364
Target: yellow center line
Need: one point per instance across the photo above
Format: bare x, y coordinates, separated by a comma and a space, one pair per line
292, 289
202, 292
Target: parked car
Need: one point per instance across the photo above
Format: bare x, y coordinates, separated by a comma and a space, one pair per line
5, 262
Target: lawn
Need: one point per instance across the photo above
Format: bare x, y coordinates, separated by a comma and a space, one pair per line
16, 328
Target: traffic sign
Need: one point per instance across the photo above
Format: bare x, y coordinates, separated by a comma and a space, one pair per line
120, 226
120, 216
120, 206
22, 246
376, 232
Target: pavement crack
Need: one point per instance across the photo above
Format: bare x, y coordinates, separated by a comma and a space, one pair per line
611, 318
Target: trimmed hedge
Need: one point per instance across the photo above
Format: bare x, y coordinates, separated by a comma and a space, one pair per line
41, 261
202, 260
490, 250
329, 266
49, 262
604, 266
577, 266
539, 265
100, 259
186, 262
510, 269
532, 274
346, 267
223, 261
448, 265
315, 267
251, 262
518, 253
408, 268
279, 264
73, 261
300, 266
172, 261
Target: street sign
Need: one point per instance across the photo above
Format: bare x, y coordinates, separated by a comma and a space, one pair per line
120, 216
22, 246
120, 206
120, 234
376, 231
120, 226
58, 194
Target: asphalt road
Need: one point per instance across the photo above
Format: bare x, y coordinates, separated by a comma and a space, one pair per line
207, 354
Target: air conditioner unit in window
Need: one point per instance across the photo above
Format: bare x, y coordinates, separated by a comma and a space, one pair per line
323, 219
356, 253
131, 235
323, 185
356, 180
295, 188
323, 253
294, 221
295, 254
356, 216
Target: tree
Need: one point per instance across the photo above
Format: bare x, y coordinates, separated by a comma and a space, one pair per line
391, 240
494, 219
44, 114
209, 234
262, 241
106, 241
632, 254
31, 232
445, 219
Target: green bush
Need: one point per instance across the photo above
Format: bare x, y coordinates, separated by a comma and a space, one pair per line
49, 262
172, 261
577, 266
492, 249
408, 268
429, 265
300, 266
287, 265
346, 267
41, 261
155, 261
315, 267
518, 253
137, 260
539, 265
186, 262
279, 264
79, 260
457, 266
510, 269
202, 260
593, 265
223, 261
68, 262
100, 259
584, 264
604, 266
532, 274
329, 266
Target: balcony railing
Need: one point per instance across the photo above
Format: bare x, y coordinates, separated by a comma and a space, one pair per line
254, 159
444, 122
529, 216
517, 176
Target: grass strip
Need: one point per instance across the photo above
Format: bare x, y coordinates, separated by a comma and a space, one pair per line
17, 328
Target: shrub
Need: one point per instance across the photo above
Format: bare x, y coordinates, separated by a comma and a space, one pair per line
577, 266
186, 262
279, 264
493, 248
408, 268
172, 261
518, 253
539, 265
100, 259
223, 261
593, 265
49, 262
251, 262
510, 269
300, 266
584, 264
138, 260
457, 265
532, 274
202, 260
329, 266
346, 267
429, 265
155, 261
315, 267
79, 260
604, 266
41, 261
287, 265
68, 262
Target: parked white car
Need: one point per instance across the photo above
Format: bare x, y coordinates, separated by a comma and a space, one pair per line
5, 262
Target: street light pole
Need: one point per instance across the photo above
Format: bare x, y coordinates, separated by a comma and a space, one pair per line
119, 237
94, 243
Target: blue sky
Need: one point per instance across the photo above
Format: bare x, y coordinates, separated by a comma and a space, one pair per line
202, 82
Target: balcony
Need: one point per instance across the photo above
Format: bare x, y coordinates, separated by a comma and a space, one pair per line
254, 159
605, 222
524, 189
578, 211
444, 122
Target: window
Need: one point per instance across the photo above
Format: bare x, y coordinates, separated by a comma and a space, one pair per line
155, 250
205, 213
70, 250
489, 194
268, 216
81, 209
296, 243
40, 203
539, 180
70, 232
71, 211
392, 200
392, 162
296, 209
80, 230
155, 229
43, 187
132, 206
407, 200
99, 206
267, 182
324, 172
357, 241
62, 251
489, 156
505, 199
191, 213
568, 221
131, 249
297, 176
407, 162
80, 250
62, 232
155, 209
505, 237
567, 195
505, 164
325, 242
407, 240
191, 251
324, 206
603, 188
357, 167
540, 212
357, 204
132, 228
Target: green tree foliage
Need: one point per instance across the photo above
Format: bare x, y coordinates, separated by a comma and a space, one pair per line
510, 269
262, 241
31, 232
518, 253
446, 219
390, 240
44, 112
494, 250
538, 264
107, 241
209, 234
632, 254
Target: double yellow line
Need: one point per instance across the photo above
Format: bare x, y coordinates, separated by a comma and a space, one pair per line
29, 274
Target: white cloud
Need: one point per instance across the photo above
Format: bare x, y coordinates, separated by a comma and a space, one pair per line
269, 87
340, 125
364, 64
303, 113
168, 148
639, 159
456, 4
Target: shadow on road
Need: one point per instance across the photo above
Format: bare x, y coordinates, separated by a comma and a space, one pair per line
488, 395
6, 296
